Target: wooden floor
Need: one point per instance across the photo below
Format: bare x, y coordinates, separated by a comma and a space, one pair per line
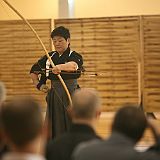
104, 125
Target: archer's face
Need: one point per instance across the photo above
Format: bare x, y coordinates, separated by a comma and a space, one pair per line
60, 44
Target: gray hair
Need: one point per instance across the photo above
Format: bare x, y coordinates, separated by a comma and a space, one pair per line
2, 92
85, 103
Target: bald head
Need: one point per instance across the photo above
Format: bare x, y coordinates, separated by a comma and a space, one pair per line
86, 103
2, 92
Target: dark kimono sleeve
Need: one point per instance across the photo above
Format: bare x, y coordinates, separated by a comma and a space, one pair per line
37, 69
79, 60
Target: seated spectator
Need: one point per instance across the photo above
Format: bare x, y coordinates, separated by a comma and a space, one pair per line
127, 129
85, 111
21, 121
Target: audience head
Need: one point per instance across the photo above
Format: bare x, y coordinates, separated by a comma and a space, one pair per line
21, 120
131, 122
86, 104
2, 92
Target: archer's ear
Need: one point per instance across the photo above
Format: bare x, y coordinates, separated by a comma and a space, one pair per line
68, 40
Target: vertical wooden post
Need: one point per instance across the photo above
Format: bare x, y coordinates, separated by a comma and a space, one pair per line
141, 61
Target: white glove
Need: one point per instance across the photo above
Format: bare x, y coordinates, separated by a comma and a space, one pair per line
44, 88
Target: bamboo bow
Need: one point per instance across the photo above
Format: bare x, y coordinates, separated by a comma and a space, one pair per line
43, 46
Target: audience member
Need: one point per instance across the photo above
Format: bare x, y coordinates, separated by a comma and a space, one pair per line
85, 111
21, 121
127, 129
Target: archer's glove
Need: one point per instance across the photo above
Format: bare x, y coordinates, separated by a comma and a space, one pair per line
44, 88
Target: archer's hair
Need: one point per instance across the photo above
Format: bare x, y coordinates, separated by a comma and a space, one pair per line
21, 120
61, 31
130, 121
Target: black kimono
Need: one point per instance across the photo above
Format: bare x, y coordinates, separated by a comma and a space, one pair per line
57, 99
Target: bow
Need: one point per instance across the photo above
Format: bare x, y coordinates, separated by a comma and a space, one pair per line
43, 46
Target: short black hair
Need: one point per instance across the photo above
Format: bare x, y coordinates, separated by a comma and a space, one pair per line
61, 31
21, 120
130, 121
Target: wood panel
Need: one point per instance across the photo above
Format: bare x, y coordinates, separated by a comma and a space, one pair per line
121, 57
19, 50
151, 98
110, 47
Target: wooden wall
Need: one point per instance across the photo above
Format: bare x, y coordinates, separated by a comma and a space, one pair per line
19, 50
151, 62
122, 51
109, 47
